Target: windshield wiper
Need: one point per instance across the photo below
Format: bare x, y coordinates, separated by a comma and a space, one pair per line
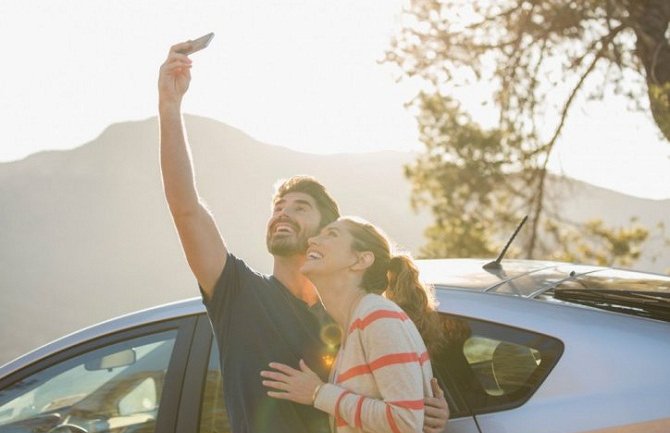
653, 305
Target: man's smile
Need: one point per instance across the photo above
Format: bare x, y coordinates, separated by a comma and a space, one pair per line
284, 227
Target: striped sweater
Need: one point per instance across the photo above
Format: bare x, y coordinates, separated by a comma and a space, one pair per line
381, 375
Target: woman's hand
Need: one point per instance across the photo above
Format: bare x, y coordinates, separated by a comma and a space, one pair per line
291, 384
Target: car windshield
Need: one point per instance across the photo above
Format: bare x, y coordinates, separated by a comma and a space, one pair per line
99, 389
633, 293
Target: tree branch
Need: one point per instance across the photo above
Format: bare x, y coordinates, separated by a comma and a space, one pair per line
552, 142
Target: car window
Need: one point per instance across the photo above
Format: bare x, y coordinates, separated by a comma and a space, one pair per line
116, 388
213, 416
501, 367
494, 366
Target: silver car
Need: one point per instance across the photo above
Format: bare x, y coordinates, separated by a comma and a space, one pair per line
530, 346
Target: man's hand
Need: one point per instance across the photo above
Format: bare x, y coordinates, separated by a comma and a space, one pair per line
174, 75
436, 410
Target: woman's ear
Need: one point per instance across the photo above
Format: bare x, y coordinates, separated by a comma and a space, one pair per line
365, 260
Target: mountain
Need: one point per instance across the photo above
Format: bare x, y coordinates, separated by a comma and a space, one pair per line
86, 234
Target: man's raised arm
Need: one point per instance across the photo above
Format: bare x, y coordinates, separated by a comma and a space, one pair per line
203, 245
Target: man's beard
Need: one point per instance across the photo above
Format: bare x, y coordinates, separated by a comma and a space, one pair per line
284, 246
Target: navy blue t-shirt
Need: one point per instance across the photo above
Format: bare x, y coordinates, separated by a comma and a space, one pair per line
256, 320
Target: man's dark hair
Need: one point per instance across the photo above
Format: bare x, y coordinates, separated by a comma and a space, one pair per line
308, 185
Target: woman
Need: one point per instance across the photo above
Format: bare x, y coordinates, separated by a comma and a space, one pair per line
382, 372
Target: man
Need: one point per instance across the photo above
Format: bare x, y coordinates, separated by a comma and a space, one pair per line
256, 318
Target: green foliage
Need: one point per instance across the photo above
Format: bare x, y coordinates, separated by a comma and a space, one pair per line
458, 177
659, 98
538, 55
478, 185
598, 244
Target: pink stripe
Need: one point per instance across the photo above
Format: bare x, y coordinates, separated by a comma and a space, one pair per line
386, 360
409, 404
359, 406
353, 372
376, 315
339, 420
389, 418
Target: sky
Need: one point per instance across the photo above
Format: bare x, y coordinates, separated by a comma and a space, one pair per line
304, 74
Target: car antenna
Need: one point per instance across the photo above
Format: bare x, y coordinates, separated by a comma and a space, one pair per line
495, 265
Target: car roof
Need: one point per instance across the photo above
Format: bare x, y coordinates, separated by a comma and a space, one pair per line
470, 274
633, 293
528, 278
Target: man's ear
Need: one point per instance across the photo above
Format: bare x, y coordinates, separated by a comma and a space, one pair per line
365, 260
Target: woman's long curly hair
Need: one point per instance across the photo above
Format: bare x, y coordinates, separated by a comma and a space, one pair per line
397, 277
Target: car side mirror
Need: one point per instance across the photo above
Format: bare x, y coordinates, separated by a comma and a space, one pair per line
118, 359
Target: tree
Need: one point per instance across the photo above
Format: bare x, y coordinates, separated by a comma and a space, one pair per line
478, 183
537, 45
539, 55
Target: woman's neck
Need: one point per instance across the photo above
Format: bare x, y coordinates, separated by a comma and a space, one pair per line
340, 297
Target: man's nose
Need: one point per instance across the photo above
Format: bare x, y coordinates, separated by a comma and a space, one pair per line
282, 213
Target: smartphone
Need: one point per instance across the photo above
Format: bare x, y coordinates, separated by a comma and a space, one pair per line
198, 44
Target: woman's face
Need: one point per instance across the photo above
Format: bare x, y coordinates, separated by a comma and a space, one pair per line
330, 251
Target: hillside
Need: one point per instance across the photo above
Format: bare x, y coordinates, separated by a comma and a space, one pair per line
86, 234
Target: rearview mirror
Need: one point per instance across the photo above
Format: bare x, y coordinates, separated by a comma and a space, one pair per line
118, 359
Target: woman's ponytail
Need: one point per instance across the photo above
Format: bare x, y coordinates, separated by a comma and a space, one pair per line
418, 301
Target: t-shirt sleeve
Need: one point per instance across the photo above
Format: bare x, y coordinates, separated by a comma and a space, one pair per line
235, 276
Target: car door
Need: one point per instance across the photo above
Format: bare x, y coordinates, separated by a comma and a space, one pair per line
201, 408
129, 382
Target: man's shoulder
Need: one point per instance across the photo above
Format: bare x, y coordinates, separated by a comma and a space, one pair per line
236, 278
239, 268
